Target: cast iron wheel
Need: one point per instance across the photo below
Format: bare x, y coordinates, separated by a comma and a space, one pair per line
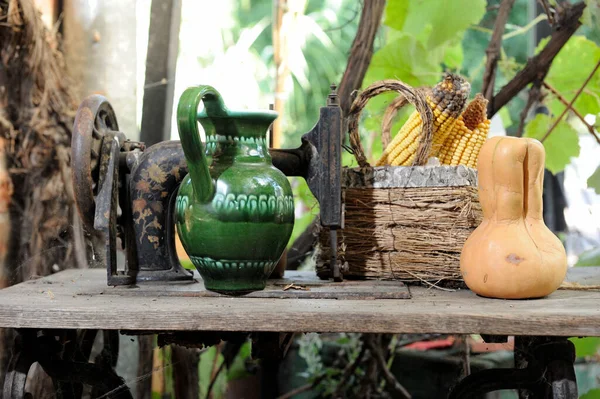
94, 119
18, 368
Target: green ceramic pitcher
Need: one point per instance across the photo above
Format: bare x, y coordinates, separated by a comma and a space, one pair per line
234, 210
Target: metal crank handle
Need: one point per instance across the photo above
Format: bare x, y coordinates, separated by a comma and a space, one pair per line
292, 162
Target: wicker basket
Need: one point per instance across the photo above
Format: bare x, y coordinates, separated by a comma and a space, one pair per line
404, 223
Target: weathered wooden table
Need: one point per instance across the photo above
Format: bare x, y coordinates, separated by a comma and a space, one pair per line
49, 310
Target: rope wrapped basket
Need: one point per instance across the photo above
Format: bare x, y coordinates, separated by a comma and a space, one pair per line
406, 223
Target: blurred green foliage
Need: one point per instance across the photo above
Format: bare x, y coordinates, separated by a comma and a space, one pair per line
589, 258
593, 394
211, 360
561, 144
585, 347
325, 33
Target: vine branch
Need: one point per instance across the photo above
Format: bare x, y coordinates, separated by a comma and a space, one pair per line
303, 388
350, 370
215, 372
537, 67
564, 101
570, 106
387, 374
214, 379
535, 95
360, 53
548, 10
493, 50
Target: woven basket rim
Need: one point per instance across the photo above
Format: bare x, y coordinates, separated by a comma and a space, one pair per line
426, 176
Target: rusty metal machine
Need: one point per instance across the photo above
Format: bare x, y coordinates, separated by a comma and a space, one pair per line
125, 192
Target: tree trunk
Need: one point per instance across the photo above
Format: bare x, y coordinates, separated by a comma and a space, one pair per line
360, 53
145, 355
282, 68
36, 117
100, 49
186, 379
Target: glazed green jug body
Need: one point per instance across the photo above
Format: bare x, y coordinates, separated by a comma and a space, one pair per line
234, 210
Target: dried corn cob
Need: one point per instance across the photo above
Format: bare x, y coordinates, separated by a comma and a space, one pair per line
450, 98
402, 149
447, 100
479, 137
465, 139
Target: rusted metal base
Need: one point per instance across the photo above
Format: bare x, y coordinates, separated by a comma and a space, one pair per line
64, 356
544, 370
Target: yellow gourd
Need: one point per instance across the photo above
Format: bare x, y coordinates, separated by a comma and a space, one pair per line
512, 254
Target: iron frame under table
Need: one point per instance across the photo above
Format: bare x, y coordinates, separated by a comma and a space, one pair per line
58, 317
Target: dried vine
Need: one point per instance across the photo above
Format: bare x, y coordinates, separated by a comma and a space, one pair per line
535, 96
37, 113
569, 106
494, 47
360, 52
568, 19
557, 121
36, 116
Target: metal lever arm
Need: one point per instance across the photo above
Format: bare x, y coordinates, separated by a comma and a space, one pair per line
318, 161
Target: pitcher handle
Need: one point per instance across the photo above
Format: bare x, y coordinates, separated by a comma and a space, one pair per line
187, 125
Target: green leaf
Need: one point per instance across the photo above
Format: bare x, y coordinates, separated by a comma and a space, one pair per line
205, 369
587, 346
445, 20
405, 59
561, 144
590, 257
592, 394
238, 366
594, 181
505, 116
568, 72
343, 340
453, 58
591, 20
591, 13
542, 43
395, 13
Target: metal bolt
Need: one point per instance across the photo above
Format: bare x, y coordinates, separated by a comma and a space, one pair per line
332, 98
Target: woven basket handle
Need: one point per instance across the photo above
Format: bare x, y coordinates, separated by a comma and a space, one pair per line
408, 94
388, 119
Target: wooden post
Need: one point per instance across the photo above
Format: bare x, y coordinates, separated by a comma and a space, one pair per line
101, 54
282, 68
161, 61
145, 363
6, 191
186, 379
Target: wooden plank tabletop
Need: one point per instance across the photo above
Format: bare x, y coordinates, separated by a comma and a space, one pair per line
81, 299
